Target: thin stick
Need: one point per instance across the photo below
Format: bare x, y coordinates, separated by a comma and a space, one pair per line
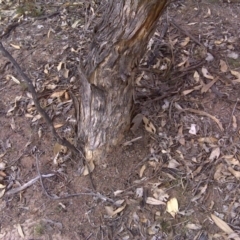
26, 185
45, 116
98, 195
205, 114
186, 33
31, 88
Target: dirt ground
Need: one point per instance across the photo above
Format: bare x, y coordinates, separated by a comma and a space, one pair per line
176, 174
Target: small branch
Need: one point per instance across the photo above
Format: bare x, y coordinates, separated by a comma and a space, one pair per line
45, 116
31, 88
186, 33
26, 185
206, 115
98, 195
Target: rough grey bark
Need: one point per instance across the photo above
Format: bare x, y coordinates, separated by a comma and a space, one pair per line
119, 43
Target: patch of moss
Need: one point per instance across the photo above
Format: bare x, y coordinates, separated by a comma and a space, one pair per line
39, 229
233, 63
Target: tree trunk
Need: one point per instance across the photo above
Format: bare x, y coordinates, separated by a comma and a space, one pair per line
118, 44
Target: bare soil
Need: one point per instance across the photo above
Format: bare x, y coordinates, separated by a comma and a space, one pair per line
187, 93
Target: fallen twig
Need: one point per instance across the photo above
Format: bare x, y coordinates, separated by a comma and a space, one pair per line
97, 195
45, 116
186, 33
205, 114
28, 184
31, 88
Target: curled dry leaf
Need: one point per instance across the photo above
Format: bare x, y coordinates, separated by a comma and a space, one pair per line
15, 46
206, 74
143, 168
8, 77
221, 224
148, 125
172, 207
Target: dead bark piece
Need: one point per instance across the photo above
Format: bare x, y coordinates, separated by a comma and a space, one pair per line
118, 45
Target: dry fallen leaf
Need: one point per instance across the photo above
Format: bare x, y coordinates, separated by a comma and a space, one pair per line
180, 136
136, 122
142, 170
20, 231
223, 66
206, 87
59, 148
196, 76
186, 92
15, 46
154, 201
193, 226
148, 125
8, 77
234, 122
218, 173
58, 125
211, 140
111, 212
214, 154
206, 74
58, 94
185, 42
237, 75
193, 129
91, 167
236, 174
231, 160
2, 192
173, 164
172, 207
221, 224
